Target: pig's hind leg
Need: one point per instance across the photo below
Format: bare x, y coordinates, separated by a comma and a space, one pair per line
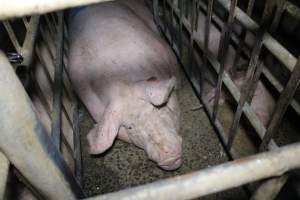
92, 103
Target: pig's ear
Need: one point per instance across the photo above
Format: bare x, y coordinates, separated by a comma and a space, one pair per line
158, 91
102, 136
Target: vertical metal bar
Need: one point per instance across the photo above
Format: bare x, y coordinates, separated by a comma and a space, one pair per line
58, 85
77, 144
206, 41
252, 77
165, 15
270, 188
155, 11
180, 27
223, 50
27, 144
192, 25
246, 89
4, 168
281, 106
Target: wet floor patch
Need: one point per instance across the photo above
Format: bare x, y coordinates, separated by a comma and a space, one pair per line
124, 165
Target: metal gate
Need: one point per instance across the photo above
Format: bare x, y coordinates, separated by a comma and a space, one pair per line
55, 150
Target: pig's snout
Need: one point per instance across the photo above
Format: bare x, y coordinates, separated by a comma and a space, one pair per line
171, 163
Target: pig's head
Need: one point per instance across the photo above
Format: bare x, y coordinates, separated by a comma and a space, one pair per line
148, 116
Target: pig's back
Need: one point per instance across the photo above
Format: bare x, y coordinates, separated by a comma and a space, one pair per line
109, 43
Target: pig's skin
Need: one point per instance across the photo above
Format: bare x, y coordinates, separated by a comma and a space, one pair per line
262, 103
125, 75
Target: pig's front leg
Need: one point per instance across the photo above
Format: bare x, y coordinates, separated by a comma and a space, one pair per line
123, 134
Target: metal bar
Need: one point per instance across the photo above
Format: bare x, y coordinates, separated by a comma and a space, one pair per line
28, 45
292, 10
155, 11
281, 105
283, 55
25, 22
206, 41
234, 91
192, 22
4, 169
247, 85
223, 51
27, 144
58, 85
279, 87
12, 36
250, 7
180, 27
265, 71
17, 8
77, 144
239, 51
215, 179
270, 188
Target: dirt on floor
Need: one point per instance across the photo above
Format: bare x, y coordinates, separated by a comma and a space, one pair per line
125, 165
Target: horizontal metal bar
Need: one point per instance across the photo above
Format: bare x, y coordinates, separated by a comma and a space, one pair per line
4, 169
215, 179
27, 144
19, 8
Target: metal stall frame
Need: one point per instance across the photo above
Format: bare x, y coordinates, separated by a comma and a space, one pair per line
25, 143
31, 140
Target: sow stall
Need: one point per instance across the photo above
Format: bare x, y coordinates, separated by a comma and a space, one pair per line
44, 153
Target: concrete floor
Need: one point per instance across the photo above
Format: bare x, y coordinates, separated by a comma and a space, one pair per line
125, 165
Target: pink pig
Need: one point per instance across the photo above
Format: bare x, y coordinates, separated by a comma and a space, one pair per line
125, 75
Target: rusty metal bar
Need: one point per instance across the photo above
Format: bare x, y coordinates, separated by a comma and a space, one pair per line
4, 169
58, 85
27, 144
224, 44
215, 179
270, 188
281, 105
